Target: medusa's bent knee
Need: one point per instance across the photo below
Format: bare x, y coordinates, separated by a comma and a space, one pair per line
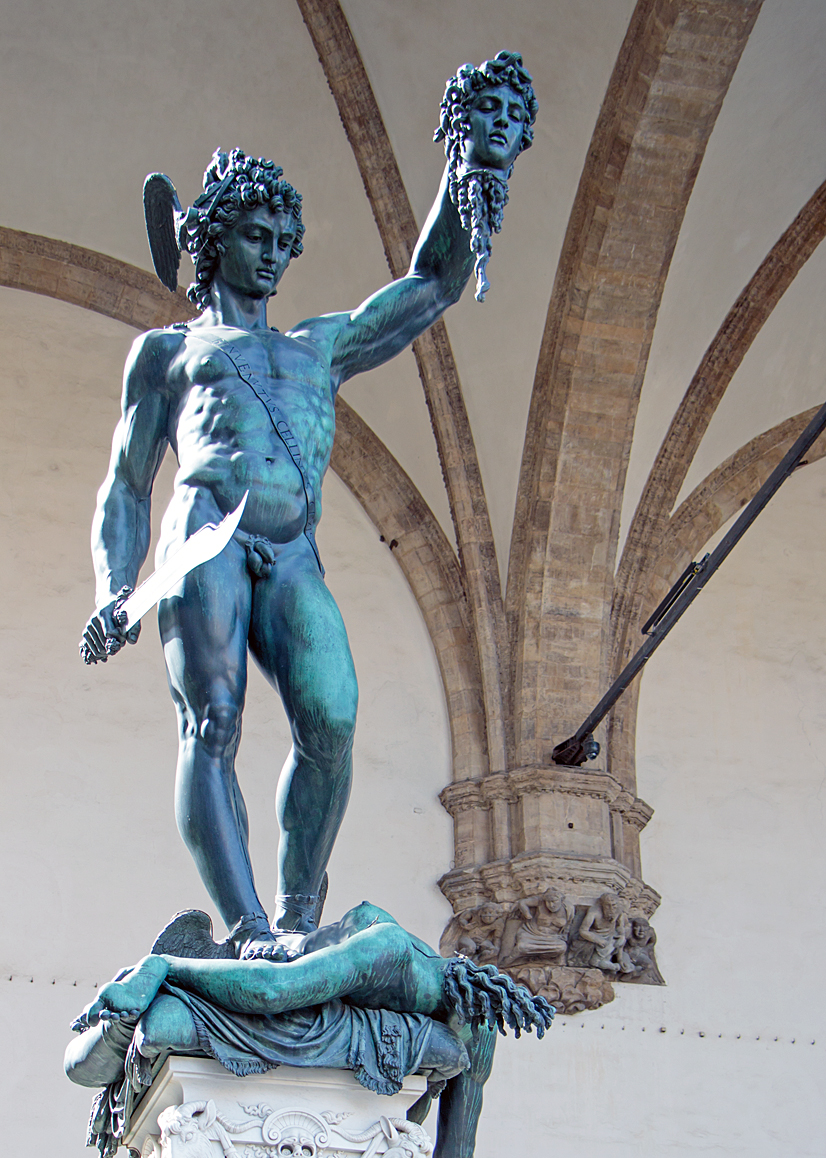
445, 1055
166, 1025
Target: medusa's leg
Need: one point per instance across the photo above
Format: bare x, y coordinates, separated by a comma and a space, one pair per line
461, 1104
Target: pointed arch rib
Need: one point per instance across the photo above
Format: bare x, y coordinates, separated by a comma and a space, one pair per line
672, 73
130, 295
720, 361
362, 120
366, 466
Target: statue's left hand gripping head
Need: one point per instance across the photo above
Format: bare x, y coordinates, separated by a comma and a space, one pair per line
487, 117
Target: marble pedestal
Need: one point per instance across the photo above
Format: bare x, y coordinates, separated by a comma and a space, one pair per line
197, 1109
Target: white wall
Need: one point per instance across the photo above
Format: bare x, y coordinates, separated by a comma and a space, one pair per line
731, 727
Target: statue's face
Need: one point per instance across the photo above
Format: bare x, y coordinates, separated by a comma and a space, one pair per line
610, 905
487, 914
553, 898
257, 251
497, 117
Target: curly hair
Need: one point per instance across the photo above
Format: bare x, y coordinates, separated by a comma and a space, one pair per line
232, 183
481, 995
505, 68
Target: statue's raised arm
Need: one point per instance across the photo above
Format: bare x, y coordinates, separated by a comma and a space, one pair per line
487, 117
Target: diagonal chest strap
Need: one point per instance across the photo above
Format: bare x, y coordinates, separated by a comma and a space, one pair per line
280, 425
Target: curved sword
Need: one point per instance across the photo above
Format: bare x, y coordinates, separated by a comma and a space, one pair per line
205, 544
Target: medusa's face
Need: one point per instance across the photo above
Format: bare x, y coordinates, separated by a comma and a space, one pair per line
497, 118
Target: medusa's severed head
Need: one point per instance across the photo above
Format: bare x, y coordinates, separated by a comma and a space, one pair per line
487, 113
233, 184
487, 117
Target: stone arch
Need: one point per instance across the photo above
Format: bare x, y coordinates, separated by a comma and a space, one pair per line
729, 346
623, 227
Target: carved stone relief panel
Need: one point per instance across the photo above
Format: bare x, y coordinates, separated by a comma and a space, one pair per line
568, 951
547, 882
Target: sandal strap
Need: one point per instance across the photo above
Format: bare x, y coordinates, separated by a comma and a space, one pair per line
247, 925
304, 906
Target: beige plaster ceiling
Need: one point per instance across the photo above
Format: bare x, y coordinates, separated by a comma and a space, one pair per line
96, 95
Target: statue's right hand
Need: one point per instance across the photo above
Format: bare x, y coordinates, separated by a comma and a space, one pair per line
103, 636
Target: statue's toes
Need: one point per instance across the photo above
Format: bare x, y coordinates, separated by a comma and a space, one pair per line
276, 953
261, 951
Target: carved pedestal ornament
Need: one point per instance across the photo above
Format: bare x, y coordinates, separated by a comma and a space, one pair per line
547, 882
197, 1130
196, 1109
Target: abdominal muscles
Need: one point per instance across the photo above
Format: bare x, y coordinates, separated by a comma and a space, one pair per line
276, 506
225, 448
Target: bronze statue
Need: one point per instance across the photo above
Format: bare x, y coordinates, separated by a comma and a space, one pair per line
362, 994
247, 408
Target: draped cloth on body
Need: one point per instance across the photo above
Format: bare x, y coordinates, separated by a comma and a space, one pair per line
380, 1047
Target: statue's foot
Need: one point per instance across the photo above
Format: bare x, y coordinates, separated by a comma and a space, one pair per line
125, 998
254, 940
273, 947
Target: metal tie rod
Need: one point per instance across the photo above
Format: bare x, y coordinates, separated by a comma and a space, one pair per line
582, 746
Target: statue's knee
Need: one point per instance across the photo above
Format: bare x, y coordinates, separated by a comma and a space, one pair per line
342, 728
327, 738
218, 724
446, 1054
167, 1024
150, 1038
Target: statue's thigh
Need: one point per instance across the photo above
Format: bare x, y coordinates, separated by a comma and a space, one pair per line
298, 638
204, 624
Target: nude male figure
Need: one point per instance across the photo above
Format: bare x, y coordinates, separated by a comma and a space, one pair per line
197, 388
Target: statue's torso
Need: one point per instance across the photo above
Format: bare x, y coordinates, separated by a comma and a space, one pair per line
224, 437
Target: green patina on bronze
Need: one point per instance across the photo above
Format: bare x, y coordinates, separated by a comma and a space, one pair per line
249, 410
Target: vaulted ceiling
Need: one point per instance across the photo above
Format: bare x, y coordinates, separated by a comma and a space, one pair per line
653, 324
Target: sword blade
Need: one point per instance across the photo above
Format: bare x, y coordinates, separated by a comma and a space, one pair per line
199, 548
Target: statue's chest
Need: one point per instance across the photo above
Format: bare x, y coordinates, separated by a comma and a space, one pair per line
265, 380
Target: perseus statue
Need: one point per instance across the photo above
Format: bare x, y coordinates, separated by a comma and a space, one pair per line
249, 410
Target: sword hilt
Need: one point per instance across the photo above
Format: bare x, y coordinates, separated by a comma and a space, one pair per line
120, 617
